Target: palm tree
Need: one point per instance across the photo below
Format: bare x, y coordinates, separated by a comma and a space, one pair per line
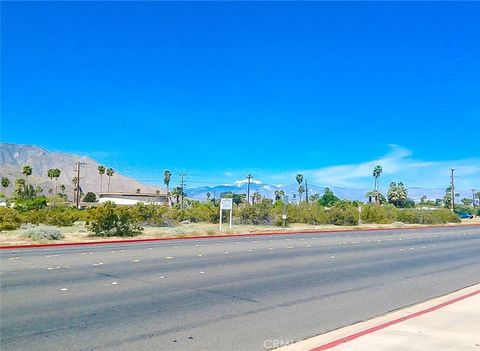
166, 180
74, 181
301, 190
138, 191
101, 171
177, 192
110, 173
62, 188
256, 198
208, 196
5, 184
377, 171
27, 171
299, 179
20, 187
38, 190
56, 175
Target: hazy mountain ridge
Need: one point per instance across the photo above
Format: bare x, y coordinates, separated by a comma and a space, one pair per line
14, 156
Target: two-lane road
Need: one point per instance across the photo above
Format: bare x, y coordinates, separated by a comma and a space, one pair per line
231, 293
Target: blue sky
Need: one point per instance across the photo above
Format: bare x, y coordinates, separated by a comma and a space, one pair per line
219, 90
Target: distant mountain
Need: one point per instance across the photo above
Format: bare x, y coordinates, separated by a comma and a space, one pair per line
14, 156
267, 190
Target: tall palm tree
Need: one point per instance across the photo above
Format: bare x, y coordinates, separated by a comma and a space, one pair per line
5, 184
208, 196
299, 179
101, 171
74, 181
377, 172
166, 180
27, 171
110, 173
301, 190
56, 174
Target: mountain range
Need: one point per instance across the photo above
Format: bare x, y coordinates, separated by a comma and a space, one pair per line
14, 156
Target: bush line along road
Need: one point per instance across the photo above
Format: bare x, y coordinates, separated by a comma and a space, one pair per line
232, 293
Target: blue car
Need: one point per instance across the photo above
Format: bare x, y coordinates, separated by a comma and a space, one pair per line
464, 215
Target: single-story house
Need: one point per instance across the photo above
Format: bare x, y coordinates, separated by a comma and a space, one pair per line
133, 198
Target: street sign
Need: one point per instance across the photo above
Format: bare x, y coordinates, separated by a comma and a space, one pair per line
226, 204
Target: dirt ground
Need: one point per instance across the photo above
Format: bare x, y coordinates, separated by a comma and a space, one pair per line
79, 232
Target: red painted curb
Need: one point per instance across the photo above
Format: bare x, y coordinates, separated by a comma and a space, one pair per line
6, 247
395, 321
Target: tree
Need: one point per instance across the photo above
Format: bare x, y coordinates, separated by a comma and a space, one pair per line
167, 176
177, 192
377, 195
208, 196
27, 171
90, 197
54, 173
74, 181
397, 194
301, 190
467, 201
138, 191
110, 173
315, 197
377, 172
101, 171
328, 199
256, 198
38, 189
423, 199
279, 194
62, 188
5, 184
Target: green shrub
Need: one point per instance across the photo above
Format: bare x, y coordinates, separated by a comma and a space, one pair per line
343, 214
9, 219
372, 213
478, 212
90, 197
41, 232
31, 204
111, 220
440, 216
256, 214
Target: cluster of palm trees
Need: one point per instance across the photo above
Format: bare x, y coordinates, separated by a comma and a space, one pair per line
102, 170
397, 194
54, 173
301, 188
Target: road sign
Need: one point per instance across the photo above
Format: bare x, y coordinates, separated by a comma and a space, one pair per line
226, 204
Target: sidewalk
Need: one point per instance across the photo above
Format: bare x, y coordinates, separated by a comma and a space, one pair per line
450, 322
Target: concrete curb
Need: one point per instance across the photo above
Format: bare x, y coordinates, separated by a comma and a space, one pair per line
344, 335
217, 236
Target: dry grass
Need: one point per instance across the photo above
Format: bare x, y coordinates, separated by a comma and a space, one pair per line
79, 233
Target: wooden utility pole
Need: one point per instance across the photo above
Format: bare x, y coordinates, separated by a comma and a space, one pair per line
249, 177
306, 191
182, 186
78, 166
452, 189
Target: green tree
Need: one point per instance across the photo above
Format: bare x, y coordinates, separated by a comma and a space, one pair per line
38, 190
90, 197
397, 194
54, 173
110, 173
167, 176
377, 172
301, 190
62, 188
101, 171
138, 191
299, 179
208, 196
5, 184
328, 199
27, 171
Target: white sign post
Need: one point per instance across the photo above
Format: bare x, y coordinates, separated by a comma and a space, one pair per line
226, 204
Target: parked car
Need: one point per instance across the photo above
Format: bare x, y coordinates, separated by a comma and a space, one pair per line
465, 215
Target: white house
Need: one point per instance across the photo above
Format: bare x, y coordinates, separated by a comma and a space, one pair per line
133, 198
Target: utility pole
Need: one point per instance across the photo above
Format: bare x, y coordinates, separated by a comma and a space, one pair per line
78, 166
473, 198
452, 189
182, 186
249, 177
306, 190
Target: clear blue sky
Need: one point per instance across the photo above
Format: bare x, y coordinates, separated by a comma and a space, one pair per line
222, 89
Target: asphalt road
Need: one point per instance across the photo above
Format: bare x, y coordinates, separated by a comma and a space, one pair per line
227, 293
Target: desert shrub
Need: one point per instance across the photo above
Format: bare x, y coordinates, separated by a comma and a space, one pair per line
9, 219
372, 213
111, 220
31, 204
312, 213
256, 214
202, 213
41, 232
440, 216
343, 214
153, 215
